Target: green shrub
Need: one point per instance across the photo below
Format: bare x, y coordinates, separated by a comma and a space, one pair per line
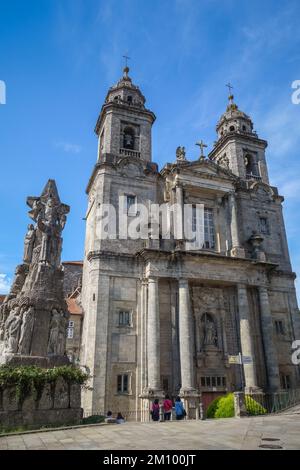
225, 408
211, 410
94, 419
253, 407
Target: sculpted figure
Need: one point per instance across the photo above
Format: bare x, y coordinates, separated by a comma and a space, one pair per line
12, 333
26, 331
180, 153
29, 244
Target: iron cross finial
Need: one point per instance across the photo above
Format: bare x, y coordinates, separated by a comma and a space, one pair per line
202, 146
126, 57
230, 88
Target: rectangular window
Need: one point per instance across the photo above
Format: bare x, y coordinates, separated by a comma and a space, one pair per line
263, 225
224, 381
131, 204
202, 381
209, 229
279, 327
208, 381
70, 333
124, 318
122, 383
218, 381
285, 382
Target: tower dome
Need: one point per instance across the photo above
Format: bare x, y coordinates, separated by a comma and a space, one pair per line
234, 121
125, 92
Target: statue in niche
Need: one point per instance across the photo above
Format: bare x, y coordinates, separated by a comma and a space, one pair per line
209, 336
26, 331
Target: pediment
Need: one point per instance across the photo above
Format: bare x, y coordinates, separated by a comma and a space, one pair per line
208, 168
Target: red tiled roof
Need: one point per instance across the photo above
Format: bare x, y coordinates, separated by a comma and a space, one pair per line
76, 263
73, 307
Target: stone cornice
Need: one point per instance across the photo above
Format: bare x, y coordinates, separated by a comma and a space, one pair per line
115, 106
234, 136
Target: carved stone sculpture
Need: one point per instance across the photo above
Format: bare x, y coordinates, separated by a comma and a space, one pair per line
180, 154
34, 314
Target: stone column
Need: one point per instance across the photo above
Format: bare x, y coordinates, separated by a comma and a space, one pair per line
187, 392
271, 360
178, 219
245, 336
153, 336
185, 337
236, 249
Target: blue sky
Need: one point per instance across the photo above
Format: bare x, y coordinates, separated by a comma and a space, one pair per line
58, 58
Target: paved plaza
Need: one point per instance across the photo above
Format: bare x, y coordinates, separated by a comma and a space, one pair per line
282, 431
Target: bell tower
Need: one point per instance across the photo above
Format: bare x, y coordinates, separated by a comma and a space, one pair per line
238, 147
124, 124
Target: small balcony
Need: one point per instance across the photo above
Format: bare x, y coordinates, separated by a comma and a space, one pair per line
130, 153
251, 176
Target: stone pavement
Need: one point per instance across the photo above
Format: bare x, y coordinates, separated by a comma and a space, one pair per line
231, 433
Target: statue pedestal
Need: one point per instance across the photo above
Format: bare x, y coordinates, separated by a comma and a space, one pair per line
191, 401
147, 398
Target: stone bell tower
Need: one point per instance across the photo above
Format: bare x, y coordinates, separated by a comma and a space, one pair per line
124, 125
238, 147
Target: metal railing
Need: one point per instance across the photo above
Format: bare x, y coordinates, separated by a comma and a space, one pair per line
266, 403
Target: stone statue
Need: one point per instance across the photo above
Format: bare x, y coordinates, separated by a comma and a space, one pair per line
180, 154
12, 331
26, 331
209, 331
57, 337
29, 244
32, 327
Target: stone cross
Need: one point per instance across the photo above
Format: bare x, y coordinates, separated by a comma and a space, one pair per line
230, 88
202, 145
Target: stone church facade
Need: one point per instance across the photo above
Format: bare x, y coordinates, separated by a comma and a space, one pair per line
159, 318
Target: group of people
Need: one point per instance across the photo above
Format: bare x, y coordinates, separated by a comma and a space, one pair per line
118, 420
168, 406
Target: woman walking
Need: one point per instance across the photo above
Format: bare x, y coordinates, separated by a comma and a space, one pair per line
155, 410
179, 409
168, 405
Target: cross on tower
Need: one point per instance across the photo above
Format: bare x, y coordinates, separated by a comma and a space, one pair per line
202, 145
230, 88
126, 59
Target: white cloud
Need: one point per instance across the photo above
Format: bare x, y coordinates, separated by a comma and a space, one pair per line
68, 147
5, 283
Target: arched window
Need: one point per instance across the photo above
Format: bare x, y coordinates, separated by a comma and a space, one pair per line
129, 99
232, 128
128, 139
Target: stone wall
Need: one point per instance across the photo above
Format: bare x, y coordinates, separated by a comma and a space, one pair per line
58, 405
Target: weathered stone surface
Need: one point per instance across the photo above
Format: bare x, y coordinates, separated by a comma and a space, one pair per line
41, 417
46, 401
75, 395
10, 402
62, 396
